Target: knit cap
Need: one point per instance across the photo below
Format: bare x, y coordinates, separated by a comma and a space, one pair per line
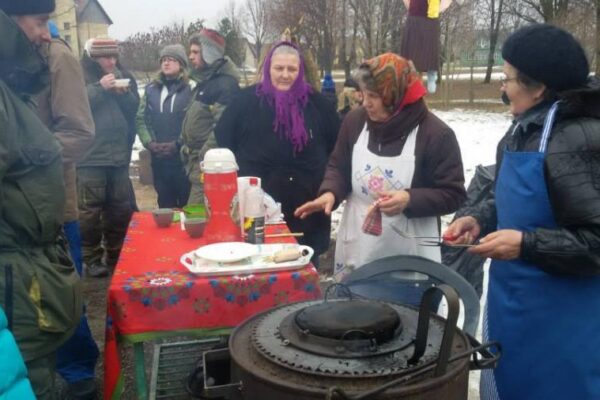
102, 47
27, 7
175, 51
549, 55
212, 43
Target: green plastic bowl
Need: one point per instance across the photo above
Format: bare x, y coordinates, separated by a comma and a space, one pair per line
194, 211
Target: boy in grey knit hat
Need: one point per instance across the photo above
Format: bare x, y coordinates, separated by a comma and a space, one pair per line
217, 79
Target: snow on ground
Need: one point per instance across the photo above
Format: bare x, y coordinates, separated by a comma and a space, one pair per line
478, 133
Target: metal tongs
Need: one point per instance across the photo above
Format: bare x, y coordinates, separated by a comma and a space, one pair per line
431, 241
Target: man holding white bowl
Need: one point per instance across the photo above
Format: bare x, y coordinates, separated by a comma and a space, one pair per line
103, 174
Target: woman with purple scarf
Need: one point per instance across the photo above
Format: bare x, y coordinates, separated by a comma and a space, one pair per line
282, 131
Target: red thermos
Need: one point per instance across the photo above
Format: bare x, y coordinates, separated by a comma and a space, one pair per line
219, 169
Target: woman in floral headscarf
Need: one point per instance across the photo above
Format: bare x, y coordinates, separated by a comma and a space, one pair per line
283, 132
397, 165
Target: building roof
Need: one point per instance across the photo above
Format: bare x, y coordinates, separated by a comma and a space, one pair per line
92, 11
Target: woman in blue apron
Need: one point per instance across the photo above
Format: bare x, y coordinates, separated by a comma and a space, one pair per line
543, 301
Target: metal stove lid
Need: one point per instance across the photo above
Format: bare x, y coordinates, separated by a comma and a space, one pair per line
277, 346
350, 320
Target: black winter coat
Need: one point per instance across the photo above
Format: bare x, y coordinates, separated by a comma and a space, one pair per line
114, 119
246, 128
572, 169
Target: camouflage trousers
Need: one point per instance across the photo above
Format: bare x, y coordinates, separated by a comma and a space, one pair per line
105, 208
197, 187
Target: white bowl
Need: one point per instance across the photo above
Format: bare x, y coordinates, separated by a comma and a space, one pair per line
122, 83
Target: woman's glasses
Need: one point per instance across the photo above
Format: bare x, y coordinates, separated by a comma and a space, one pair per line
506, 79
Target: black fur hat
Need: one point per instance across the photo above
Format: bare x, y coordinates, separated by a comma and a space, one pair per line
549, 55
27, 7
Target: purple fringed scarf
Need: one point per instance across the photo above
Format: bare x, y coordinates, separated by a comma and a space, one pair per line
289, 105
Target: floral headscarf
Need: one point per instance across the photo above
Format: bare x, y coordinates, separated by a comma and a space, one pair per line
396, 80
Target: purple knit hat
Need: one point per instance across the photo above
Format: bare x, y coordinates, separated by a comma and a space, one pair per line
289, 105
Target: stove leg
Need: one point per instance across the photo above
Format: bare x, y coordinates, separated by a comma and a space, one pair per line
140, 373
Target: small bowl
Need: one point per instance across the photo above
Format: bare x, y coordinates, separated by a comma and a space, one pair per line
163, 217
195, 226
122, 83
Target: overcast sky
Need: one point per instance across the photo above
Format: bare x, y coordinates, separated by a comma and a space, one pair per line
131, 16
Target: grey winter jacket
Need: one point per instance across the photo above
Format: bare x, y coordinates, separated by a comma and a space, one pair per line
216, 86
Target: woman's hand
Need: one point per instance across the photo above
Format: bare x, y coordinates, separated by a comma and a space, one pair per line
323, 203
504, 244
462, 231
393, 202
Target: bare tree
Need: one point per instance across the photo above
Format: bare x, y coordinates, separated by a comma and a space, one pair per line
496, 8
314, 22
230, 26
365, 12
140, 52
257, 25
550, 11
380, 24
347, 53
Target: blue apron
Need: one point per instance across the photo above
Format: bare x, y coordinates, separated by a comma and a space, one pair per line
548, 325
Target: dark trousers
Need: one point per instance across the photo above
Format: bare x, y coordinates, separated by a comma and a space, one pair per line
76, 359
104, 195
171, 184
41, 375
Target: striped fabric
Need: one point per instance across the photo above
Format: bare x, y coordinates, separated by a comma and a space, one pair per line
373, 224
102, 47
487, 385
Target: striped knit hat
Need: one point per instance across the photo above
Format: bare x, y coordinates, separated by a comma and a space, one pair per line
102, 47
212, 44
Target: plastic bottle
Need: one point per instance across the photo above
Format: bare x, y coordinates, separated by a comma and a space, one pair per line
254, 213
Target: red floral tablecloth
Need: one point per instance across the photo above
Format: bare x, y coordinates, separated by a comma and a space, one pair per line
152, 295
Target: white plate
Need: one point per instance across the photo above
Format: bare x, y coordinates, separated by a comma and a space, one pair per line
255, 264
227, 252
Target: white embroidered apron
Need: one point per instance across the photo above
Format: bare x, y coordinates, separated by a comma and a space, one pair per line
372, 174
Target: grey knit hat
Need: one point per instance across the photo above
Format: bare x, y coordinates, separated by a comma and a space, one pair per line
175, 51
212, 43
27, 7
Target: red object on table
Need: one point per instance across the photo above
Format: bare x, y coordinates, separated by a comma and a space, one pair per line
151, 294
222, 206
